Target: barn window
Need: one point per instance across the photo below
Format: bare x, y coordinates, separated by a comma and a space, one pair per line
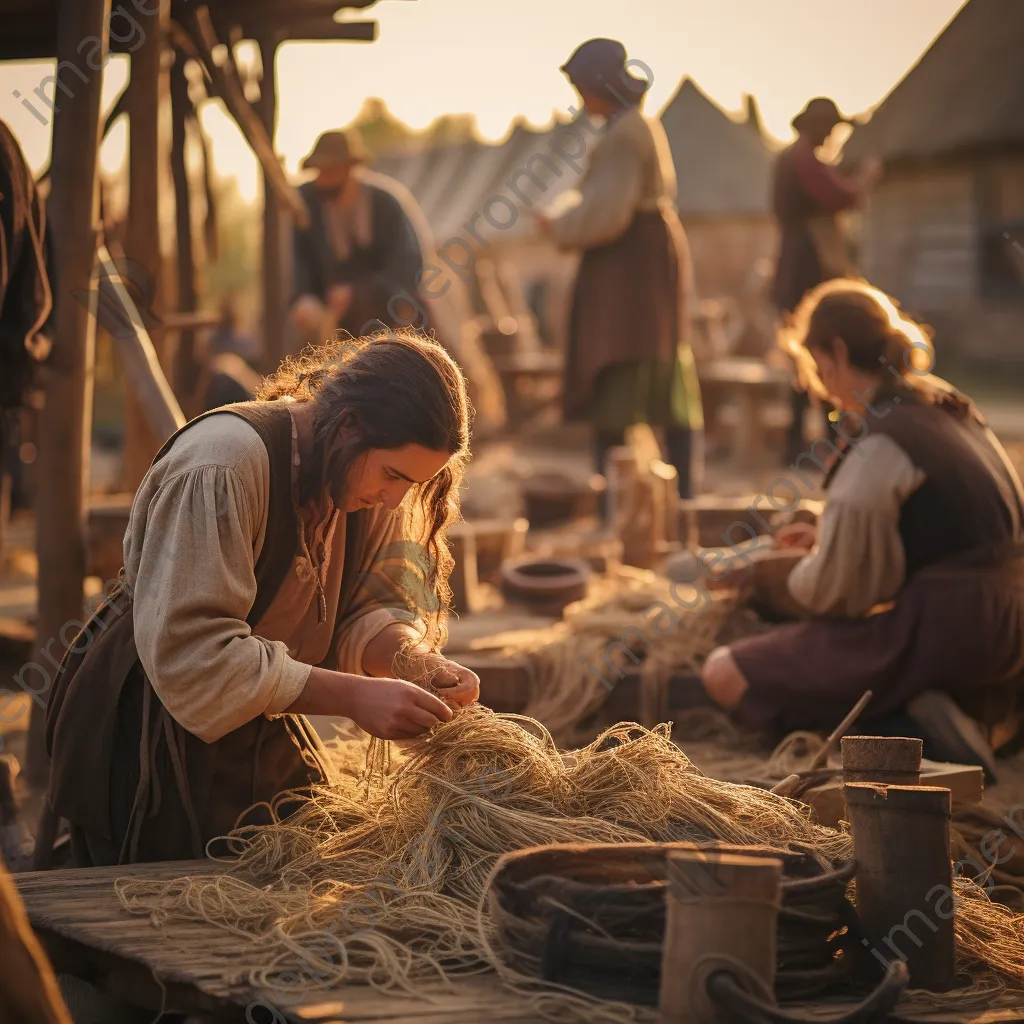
1001, 209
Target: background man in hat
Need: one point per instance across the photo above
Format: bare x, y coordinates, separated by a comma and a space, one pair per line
356, 267
808, 197
629, 360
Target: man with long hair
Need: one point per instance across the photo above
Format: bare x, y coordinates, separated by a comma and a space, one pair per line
284, 557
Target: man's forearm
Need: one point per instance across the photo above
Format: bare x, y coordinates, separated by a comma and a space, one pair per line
380, 653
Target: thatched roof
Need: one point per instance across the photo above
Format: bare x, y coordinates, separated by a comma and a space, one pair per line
965, 93
724, 166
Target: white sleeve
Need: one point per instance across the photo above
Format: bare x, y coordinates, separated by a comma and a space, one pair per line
609, 193
859, 560
193, 585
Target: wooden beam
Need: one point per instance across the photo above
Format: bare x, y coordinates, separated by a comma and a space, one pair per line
138, 355
186, 372
275, 297
148, 102
329, 30
64, 428
227, 86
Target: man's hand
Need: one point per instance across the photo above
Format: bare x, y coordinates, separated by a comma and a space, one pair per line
797, 535
542, 221
393, 709
339, 298
308, 312
870, 172
455, 684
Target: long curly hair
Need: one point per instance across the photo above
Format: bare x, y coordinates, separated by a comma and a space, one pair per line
395, 388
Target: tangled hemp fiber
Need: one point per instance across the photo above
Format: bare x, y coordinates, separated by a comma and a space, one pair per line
384, 880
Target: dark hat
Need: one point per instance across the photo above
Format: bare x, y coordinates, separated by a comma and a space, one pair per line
342, 146
821, 110
599, 65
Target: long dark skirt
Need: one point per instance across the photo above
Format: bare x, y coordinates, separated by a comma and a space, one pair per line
630, 306
948, 630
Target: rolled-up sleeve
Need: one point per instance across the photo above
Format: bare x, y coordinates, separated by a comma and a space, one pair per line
859, 560
193, 585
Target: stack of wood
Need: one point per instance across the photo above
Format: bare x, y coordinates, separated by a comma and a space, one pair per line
643, 506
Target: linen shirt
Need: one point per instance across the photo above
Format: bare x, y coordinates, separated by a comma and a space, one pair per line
196, 529
859, 561
630, 170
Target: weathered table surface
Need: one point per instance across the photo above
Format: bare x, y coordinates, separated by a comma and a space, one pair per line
87, 933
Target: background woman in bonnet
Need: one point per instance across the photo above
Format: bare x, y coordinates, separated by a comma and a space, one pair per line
629, 360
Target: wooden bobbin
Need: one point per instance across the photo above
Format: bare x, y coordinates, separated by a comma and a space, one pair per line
892, 760
721, 911
905, 878
464, 581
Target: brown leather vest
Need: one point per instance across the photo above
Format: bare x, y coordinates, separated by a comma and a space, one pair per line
970, 506
133, 782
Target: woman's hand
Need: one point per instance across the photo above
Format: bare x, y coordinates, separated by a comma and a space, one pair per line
797, 535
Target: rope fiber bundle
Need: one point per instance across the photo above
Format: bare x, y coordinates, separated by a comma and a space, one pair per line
385, 880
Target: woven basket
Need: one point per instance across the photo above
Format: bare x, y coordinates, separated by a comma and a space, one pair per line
593, 917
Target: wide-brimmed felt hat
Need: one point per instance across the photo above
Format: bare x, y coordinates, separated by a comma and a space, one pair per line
599, 65
821, 110
341, 146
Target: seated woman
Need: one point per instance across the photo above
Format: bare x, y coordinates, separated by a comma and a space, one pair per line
914, 580
284, 557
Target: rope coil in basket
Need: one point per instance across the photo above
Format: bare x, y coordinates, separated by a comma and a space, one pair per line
593, 917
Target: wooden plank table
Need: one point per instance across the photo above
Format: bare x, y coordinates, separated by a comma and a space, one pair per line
178, 965
749, 383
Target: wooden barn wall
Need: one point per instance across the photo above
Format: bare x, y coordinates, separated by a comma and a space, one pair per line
920, 242
726, 253
920, 238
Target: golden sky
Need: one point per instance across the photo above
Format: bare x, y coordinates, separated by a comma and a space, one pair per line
498, 60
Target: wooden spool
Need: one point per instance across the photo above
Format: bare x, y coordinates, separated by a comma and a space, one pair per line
905, 878
546, 584
891, 760
552, 498
721, 909
464, 580
495, 540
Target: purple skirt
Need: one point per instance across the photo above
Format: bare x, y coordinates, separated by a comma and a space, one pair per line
950, 629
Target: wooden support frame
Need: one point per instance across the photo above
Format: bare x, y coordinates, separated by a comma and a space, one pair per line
186, 372
273, 275
227, 86
64, 433
139, 356
148, 102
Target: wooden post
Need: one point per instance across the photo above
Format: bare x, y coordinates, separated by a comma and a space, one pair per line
721, 911
891, 760
274, 236
905, 878
186, 371
64, 428
147, 90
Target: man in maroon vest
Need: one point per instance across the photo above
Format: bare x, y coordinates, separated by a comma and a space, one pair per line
808, 196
